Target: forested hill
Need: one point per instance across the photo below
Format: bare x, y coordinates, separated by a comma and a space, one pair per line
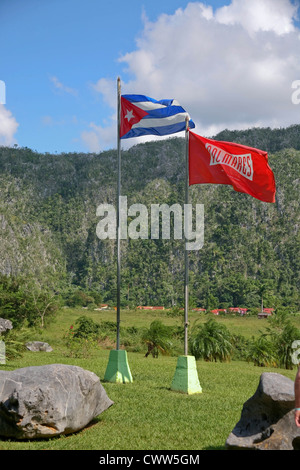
48, 225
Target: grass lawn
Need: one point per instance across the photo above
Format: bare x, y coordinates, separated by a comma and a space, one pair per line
146, 414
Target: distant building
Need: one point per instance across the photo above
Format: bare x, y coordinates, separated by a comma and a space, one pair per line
243, 311
267, 312
234, 309
140, 307
215, 312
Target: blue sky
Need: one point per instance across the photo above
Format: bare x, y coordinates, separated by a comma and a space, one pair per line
230, 64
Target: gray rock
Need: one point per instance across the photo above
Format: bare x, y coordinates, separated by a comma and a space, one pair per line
267, 418
38, 346
46, 401
5, 325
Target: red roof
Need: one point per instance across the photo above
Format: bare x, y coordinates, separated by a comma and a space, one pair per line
150, 308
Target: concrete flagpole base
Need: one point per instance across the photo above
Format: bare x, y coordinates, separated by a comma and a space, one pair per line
185, 379
118, 370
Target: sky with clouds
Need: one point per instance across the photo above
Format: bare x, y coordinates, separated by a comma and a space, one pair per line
230, 63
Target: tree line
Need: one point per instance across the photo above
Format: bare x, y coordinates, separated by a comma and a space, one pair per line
48, 217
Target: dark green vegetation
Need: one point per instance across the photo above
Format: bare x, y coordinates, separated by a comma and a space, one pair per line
146, 414
48, 228
50, 258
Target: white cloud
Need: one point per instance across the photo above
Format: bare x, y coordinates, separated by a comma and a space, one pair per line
60, 86
232, 68
8, 127
261, 15
108, 89
98, 138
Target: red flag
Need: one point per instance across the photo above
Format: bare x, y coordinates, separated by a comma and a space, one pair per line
244, 168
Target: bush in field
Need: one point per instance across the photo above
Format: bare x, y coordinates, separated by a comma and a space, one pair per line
14, 341
261, 352
22, 301
274, 346
240, 347
81, 341
157, 338
80, 298
283, 345
211, 342
14, 301
86, 328
174, 312
282, 333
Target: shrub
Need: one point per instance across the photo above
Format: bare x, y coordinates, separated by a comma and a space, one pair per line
14, 341
174, 312
261, 352
23, 302
79, 347
81, 341
158, 339
282, 334
80, 299
14, 301
86, 328
212, 342
240, 345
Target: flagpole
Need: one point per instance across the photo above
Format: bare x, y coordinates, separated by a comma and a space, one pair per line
118, 216
117, 369
186, 258
186, 379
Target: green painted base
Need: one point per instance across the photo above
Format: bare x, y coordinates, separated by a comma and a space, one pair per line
186, 379
118, 370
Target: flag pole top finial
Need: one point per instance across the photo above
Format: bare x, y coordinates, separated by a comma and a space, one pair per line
187, 122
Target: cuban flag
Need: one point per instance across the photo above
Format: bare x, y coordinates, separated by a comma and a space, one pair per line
141, 115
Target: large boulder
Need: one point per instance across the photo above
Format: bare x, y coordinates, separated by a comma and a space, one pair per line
267, 418
45, 401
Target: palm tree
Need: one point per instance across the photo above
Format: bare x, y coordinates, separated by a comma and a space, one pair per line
282, 333
212, 342
157, 338
261, 352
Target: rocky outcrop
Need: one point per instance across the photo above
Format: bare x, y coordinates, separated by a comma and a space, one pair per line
267, 418
46, 401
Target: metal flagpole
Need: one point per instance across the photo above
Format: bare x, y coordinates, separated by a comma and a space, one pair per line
118, 216
118, 370
186, 379
186, 258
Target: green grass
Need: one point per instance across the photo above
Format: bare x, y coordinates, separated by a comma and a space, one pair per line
146, 414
